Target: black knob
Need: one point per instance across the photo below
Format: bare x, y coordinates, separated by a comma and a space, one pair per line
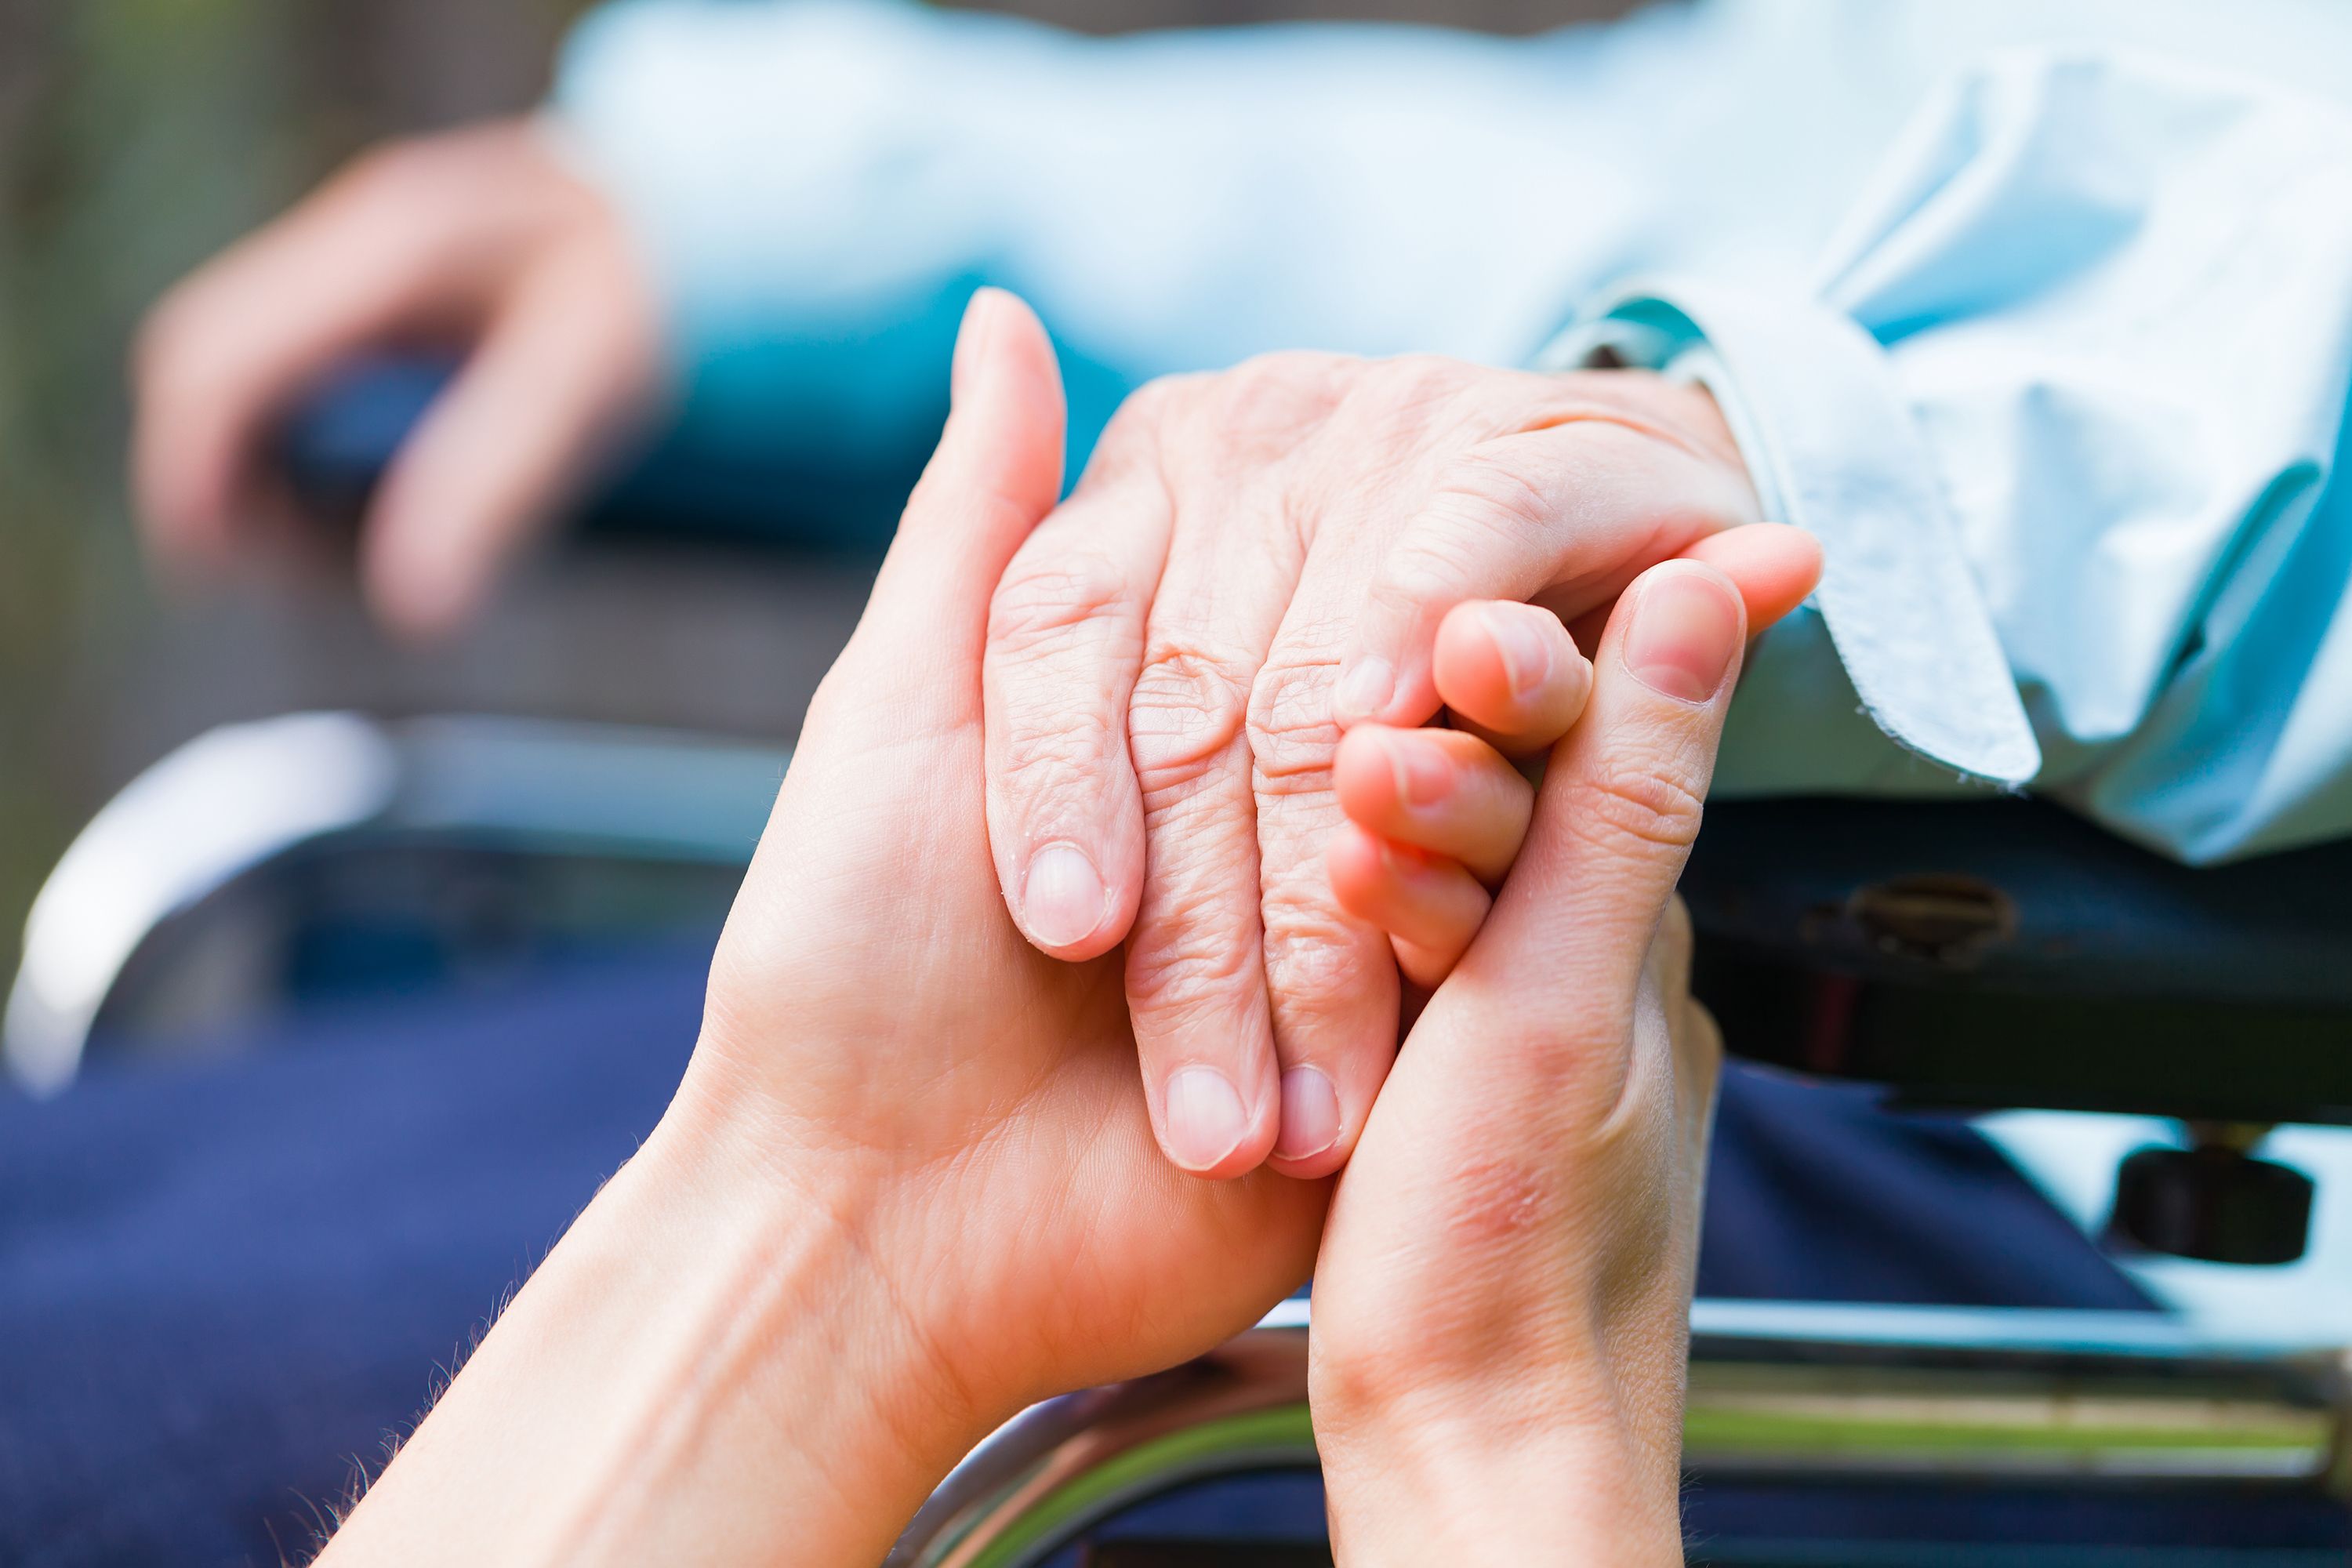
2212, 1203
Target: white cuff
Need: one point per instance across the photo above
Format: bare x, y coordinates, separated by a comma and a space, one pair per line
1833, 448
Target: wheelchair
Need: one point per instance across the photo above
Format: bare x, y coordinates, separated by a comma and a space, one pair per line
1997, 957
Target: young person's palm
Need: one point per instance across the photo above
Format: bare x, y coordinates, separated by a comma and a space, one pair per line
874, 1010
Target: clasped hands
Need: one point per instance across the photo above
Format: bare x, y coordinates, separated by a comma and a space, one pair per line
912, 1182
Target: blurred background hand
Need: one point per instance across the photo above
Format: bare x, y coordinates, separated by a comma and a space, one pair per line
479, 242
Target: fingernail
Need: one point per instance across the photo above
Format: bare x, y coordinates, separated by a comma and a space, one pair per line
1205, 1121
1525, 655
1364, 690
1422, 776
972, 343
1310, 1114
1062, 897
1685, 634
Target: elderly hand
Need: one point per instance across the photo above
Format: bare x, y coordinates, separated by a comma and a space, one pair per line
1252, 560
1502, 1299
480, 238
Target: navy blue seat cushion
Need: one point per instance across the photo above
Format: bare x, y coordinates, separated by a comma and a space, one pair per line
1818, 1191
223, 1287
226, 1284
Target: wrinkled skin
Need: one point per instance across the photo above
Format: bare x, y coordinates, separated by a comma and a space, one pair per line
1252, 560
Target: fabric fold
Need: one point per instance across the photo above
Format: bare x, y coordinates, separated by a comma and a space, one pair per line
1834, 448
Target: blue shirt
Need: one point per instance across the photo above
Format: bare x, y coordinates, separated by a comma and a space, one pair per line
2040, 315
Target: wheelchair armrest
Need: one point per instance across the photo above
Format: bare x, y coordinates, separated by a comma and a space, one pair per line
326, 850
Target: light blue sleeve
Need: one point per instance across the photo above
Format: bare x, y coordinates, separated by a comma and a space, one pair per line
821, 185
2066, 406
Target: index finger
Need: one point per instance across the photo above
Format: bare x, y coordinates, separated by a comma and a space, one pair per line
1564, 513
1065, 646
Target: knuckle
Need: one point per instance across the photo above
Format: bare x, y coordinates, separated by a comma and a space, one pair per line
1048, 600
1424, 569
1039, 762
1293, 735
449, 199
1262, 407
1187, 712
1493, 493
188, 336
1195, 973
1315, 960
1152, 402
1628, 810
1135, 425
1415, 386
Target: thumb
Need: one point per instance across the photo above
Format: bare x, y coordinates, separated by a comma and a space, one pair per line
996, 473
1773, 566
1618, 812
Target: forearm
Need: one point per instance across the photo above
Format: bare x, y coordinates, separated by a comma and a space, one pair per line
706, 1369
1525, 1402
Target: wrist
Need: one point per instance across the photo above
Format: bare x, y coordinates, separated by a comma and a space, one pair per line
1535, 1468
709, 1355
809, 1334
1412, 1487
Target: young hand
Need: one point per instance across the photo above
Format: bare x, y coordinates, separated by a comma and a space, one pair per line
1502, 1298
